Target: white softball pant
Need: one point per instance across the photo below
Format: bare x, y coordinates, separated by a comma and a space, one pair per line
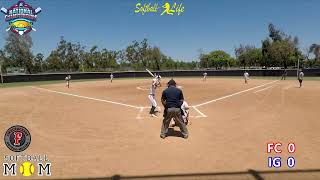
152, 100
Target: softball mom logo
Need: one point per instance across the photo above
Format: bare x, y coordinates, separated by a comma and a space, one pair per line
17, 138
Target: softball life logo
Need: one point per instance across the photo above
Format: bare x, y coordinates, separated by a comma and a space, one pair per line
21, 17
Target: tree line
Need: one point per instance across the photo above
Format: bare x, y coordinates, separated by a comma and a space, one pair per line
74, 57
277, 50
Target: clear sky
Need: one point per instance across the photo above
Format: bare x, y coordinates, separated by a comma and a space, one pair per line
205, 24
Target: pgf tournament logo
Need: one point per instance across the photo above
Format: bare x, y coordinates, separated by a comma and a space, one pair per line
21, 17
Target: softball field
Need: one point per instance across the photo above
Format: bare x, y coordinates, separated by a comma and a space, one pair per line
99, 129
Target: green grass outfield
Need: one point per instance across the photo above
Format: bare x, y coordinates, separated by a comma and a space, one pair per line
35, 83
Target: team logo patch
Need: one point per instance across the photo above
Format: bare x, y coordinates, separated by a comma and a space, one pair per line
17, 138
21, 17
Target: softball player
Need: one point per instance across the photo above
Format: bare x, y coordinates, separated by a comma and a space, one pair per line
158, 79
68, 78
152, 97
111, 77
205, 76
185, 114
246, 77
300, 77
284, 75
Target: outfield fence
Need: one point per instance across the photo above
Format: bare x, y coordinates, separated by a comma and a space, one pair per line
141, 74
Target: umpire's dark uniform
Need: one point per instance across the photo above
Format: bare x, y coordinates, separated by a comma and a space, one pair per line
172, 99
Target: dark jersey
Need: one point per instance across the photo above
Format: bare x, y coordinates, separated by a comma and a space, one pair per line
173, 97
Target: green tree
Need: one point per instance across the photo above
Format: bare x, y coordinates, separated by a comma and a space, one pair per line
280, 50
275, 34
252, 57
245, 55
154, 58
18, 51
71, 57
38, 65
108, 59
265, 54
168, 63
204, 61
3, 61
315, 49
219, 59
283, 53
53, 62
132, 53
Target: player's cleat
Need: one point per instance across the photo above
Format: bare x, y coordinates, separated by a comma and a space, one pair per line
163, 136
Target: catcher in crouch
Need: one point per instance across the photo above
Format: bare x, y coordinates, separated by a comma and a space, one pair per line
185, 114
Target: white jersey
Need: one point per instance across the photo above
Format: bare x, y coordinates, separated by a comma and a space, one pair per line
185, 108
246, 75
111, 76
301, 75
205, 74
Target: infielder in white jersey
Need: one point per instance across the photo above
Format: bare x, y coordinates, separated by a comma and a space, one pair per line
111, 77
300, 77
68, 78
205, 76
152, 97
246, 77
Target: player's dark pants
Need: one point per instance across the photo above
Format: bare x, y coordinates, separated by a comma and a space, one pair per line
300, 81
174, 113
283, 76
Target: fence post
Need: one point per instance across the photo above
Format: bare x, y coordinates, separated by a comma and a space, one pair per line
1, 73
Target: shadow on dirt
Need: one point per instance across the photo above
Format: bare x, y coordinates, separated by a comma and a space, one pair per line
174, 133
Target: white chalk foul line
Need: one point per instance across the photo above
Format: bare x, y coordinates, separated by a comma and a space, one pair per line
85, 97
202, 115
264, 89
143, 89
230, 95
288, 87
139, 113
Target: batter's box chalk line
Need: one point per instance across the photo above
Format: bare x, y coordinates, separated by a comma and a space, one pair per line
142, 114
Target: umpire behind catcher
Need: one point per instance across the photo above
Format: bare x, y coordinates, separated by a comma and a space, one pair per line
172, 99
